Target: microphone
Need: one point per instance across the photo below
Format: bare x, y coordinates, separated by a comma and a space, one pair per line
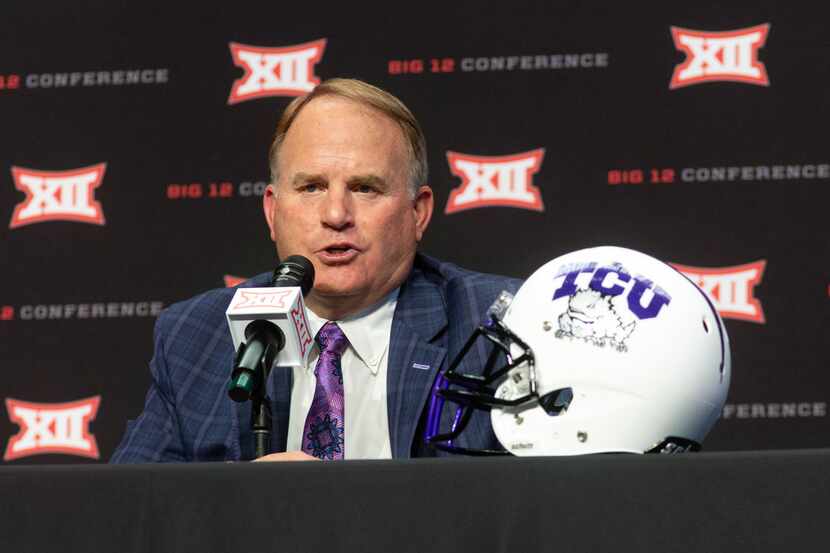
269, 325
296, 270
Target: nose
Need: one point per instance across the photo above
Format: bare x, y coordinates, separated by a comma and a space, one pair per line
337, 209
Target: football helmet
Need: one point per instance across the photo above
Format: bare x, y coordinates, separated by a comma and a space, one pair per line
602, 350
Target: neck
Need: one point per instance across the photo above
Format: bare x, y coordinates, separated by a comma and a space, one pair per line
337, 308
332, 309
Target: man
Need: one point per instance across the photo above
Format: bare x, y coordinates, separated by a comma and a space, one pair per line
348, 192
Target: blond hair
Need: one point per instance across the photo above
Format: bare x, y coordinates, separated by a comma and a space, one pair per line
371, 96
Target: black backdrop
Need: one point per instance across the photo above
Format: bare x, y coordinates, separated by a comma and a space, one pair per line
181, 213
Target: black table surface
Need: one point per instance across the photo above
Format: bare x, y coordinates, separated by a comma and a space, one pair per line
708, 502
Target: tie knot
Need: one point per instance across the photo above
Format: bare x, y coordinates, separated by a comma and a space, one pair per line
331, 339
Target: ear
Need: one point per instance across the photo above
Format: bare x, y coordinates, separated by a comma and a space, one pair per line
269, 205
422, 207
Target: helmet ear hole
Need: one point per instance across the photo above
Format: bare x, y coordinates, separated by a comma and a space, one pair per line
556, 402
705, 324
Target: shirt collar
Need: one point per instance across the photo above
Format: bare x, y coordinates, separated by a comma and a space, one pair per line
368, 331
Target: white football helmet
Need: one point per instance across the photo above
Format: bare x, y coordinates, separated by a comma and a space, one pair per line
608, 350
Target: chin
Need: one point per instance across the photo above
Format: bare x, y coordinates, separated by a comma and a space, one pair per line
330, 289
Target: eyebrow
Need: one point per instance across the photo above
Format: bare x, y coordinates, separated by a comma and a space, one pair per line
372, 180
303, 178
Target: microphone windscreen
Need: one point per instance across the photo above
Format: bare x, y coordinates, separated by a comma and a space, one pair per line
295, 270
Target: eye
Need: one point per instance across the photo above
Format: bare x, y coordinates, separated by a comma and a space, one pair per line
310, 187
365, 188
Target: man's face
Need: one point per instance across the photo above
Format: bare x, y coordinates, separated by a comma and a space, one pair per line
342, 201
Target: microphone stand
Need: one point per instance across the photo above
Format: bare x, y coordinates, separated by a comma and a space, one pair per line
249, 380
261, 415
264, 340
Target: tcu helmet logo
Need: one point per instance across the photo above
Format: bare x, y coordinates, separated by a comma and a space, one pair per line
52, 428
58, 195
285, 71
731, 288
604, 308
495, 181
721, 56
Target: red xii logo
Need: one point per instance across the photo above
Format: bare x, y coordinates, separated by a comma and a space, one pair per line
58, 195
285, 71
301, 326
250, 299
52, 428
721, 56
495, 181
731, 288
231, 280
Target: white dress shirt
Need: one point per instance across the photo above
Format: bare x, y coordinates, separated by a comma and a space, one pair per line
364, 382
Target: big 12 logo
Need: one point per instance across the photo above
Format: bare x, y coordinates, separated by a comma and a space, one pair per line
488, 181
282, 71
52, 428
58, 195
720, 56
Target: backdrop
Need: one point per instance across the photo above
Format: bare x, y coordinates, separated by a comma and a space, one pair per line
133, 161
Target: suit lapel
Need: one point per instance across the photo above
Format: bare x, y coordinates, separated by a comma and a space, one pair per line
420, 317
420, 331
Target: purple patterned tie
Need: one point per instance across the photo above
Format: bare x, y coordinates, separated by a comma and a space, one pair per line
324, 427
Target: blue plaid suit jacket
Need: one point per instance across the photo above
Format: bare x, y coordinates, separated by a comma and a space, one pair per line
188, 416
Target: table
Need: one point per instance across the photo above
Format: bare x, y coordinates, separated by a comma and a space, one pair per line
708, 502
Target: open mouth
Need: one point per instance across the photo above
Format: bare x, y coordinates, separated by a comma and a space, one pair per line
338, 253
